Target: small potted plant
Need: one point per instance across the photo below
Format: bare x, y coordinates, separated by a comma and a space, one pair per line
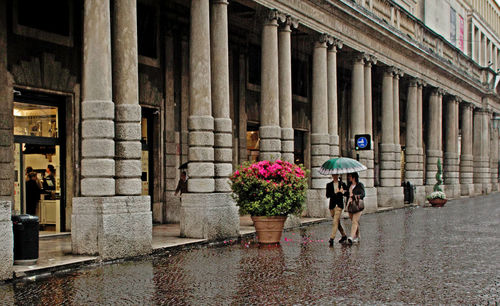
438, 198
269, 192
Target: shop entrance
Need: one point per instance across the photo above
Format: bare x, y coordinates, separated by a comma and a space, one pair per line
147, 157
39, 159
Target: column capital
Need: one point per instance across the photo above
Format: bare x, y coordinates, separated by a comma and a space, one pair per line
413, 82
357, 57
226, 2
421, 83
288, 23
370, 59
478, 109
395, 71
467, 105
321, 40
456, 99
335, 44
438, 91
272, 17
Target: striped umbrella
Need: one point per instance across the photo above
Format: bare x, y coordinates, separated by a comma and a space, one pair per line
341, 165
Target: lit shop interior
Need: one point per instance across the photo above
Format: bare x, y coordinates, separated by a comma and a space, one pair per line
38, 160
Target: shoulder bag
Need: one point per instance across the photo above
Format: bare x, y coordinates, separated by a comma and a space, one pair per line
357, 205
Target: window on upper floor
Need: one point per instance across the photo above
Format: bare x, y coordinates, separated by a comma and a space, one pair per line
44, 20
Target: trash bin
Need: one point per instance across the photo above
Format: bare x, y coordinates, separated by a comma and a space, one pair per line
25, 239
409, 192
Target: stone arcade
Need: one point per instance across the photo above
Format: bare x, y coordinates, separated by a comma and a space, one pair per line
148, 87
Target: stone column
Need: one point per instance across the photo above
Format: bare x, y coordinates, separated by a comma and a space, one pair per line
320, 147
433, 152
411, 158
357, 107
270, 131
128, 167
451, 164
220, 95
389, 194
205, 214
494, 157
387, 166
397, 132
420, 193
481, 151
369, 61
98, 111
466, 157
6, 153
333, 124
102, 222
367, 157
172, 205
285, 89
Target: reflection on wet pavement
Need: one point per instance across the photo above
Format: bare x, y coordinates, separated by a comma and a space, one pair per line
416, 255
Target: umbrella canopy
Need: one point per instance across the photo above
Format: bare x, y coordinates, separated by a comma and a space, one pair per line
341, 165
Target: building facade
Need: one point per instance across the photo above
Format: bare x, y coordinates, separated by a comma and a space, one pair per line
120, 97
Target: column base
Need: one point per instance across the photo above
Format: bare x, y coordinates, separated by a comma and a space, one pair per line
420, 195
452, 191
158, 216
371, 199
390, 197
482, 188
467, 190
317, 204
292, 221
6, 238
494, 187
172, 208
209, 216
111, 227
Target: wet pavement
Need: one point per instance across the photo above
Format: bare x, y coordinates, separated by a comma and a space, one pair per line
416, 255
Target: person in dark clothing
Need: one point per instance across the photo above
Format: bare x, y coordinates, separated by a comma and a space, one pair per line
49, 181
182, 186
335, 192
32, 193
355, 189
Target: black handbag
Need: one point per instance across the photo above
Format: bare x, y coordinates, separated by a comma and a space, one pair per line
357, 204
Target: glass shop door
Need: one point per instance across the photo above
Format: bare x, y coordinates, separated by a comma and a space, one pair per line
39, 162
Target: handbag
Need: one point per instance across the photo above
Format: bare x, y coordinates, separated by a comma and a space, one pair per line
357, 205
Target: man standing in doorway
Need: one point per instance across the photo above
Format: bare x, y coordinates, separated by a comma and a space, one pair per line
182, 186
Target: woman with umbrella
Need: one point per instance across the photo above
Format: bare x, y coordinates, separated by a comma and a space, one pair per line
355, 193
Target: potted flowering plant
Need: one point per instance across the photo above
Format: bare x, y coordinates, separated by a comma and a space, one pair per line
438, 198
269, 191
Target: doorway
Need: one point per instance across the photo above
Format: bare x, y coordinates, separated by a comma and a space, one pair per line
147, 156
39, 143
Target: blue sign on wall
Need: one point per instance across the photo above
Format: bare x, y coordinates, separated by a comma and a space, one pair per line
363, 142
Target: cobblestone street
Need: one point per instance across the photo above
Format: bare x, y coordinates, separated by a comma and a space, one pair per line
415, 255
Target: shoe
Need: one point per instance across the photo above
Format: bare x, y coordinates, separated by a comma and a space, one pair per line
349, 240
355, 240
343, 239
330, 242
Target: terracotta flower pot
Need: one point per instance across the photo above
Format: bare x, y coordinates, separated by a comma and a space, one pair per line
269, 229
438, 202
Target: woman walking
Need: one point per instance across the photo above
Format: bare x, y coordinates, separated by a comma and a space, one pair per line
335, 191
355, 193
